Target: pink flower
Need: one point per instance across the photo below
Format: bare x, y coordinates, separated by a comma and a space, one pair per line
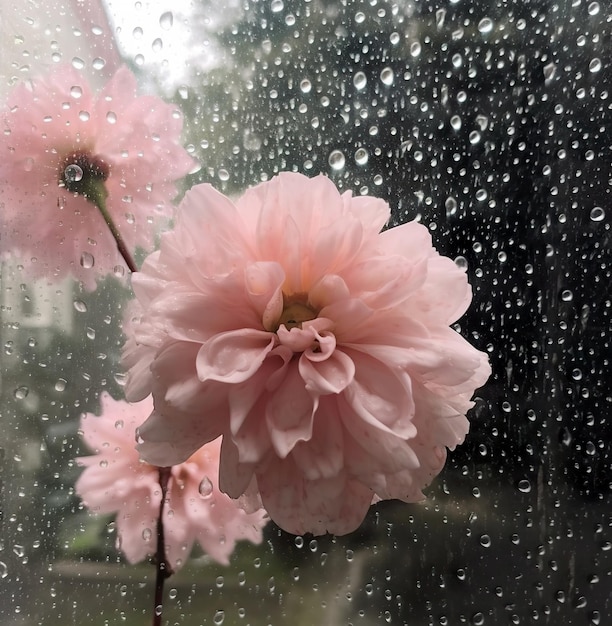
61, 142
117, 481
317, 346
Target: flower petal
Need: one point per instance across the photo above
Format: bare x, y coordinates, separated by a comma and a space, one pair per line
235, 356
289, 413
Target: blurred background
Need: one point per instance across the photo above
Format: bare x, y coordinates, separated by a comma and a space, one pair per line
491, 123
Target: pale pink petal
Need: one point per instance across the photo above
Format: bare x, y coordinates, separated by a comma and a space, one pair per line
289, 413
332, 375
115, 481
264, 282
320, 350
235, 356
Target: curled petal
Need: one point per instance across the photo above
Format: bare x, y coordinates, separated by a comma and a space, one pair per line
264, 283
332, 375
235, 356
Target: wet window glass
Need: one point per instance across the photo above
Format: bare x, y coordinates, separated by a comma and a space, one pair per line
478, 131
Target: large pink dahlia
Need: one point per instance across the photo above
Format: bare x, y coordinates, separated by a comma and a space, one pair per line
64, 148
115, 480
317, 346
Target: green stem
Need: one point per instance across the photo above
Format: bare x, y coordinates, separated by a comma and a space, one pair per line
96, 194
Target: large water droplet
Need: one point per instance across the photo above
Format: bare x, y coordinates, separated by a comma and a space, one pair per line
524, 486
166, 20
73, 173
387, 76
206, 487
597, 214
87, 260
485, 25
336, 160
361, 156
360, 80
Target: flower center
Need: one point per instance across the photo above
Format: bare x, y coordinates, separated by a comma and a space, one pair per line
295, 311
82, 173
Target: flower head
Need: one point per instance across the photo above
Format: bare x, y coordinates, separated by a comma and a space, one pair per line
318, 346
64, 150
115, 480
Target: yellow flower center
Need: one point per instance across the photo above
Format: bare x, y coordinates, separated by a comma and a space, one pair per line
296, 311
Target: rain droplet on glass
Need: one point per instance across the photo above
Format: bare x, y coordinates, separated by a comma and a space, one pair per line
336, 160
166, 20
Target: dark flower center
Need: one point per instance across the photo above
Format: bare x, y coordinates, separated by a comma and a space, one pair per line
82, 173
295, 311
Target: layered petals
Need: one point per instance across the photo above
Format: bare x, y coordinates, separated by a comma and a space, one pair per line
315, 345
116, 481
64, 150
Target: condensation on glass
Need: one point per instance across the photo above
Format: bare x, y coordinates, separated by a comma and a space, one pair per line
490, 123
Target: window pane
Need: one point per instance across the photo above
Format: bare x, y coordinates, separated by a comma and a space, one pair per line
487, 122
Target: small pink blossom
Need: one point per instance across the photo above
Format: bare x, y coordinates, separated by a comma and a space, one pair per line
316, 345
115, 480
59, 139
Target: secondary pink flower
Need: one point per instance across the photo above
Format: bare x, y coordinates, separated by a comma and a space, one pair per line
317, 346
60, 140
117, 481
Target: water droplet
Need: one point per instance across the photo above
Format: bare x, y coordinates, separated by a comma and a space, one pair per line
451, 206
524, 486
158, 609
98, 63
119, 425
87, 260
166, 20
73, 173
3, 570
549, 71
415, 49
305, 85
474, 137
485, 541
455, 122
60, 385
147, 533
567, 295
299, 542
157, 45
593, 8
461, 262
84, 116
76, 91
78, 63
597, 214
387, 76
21, 393
137, 32
220, 615
223, 175
595, 65
360, 80
485, 25
80, 306
336, 160
361, 156
277, 6
478, 619
206, 487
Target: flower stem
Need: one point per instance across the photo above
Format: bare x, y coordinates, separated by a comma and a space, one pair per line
163, 568
96, 194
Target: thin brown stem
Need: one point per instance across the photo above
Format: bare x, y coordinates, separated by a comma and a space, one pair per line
97, 195
163, 568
